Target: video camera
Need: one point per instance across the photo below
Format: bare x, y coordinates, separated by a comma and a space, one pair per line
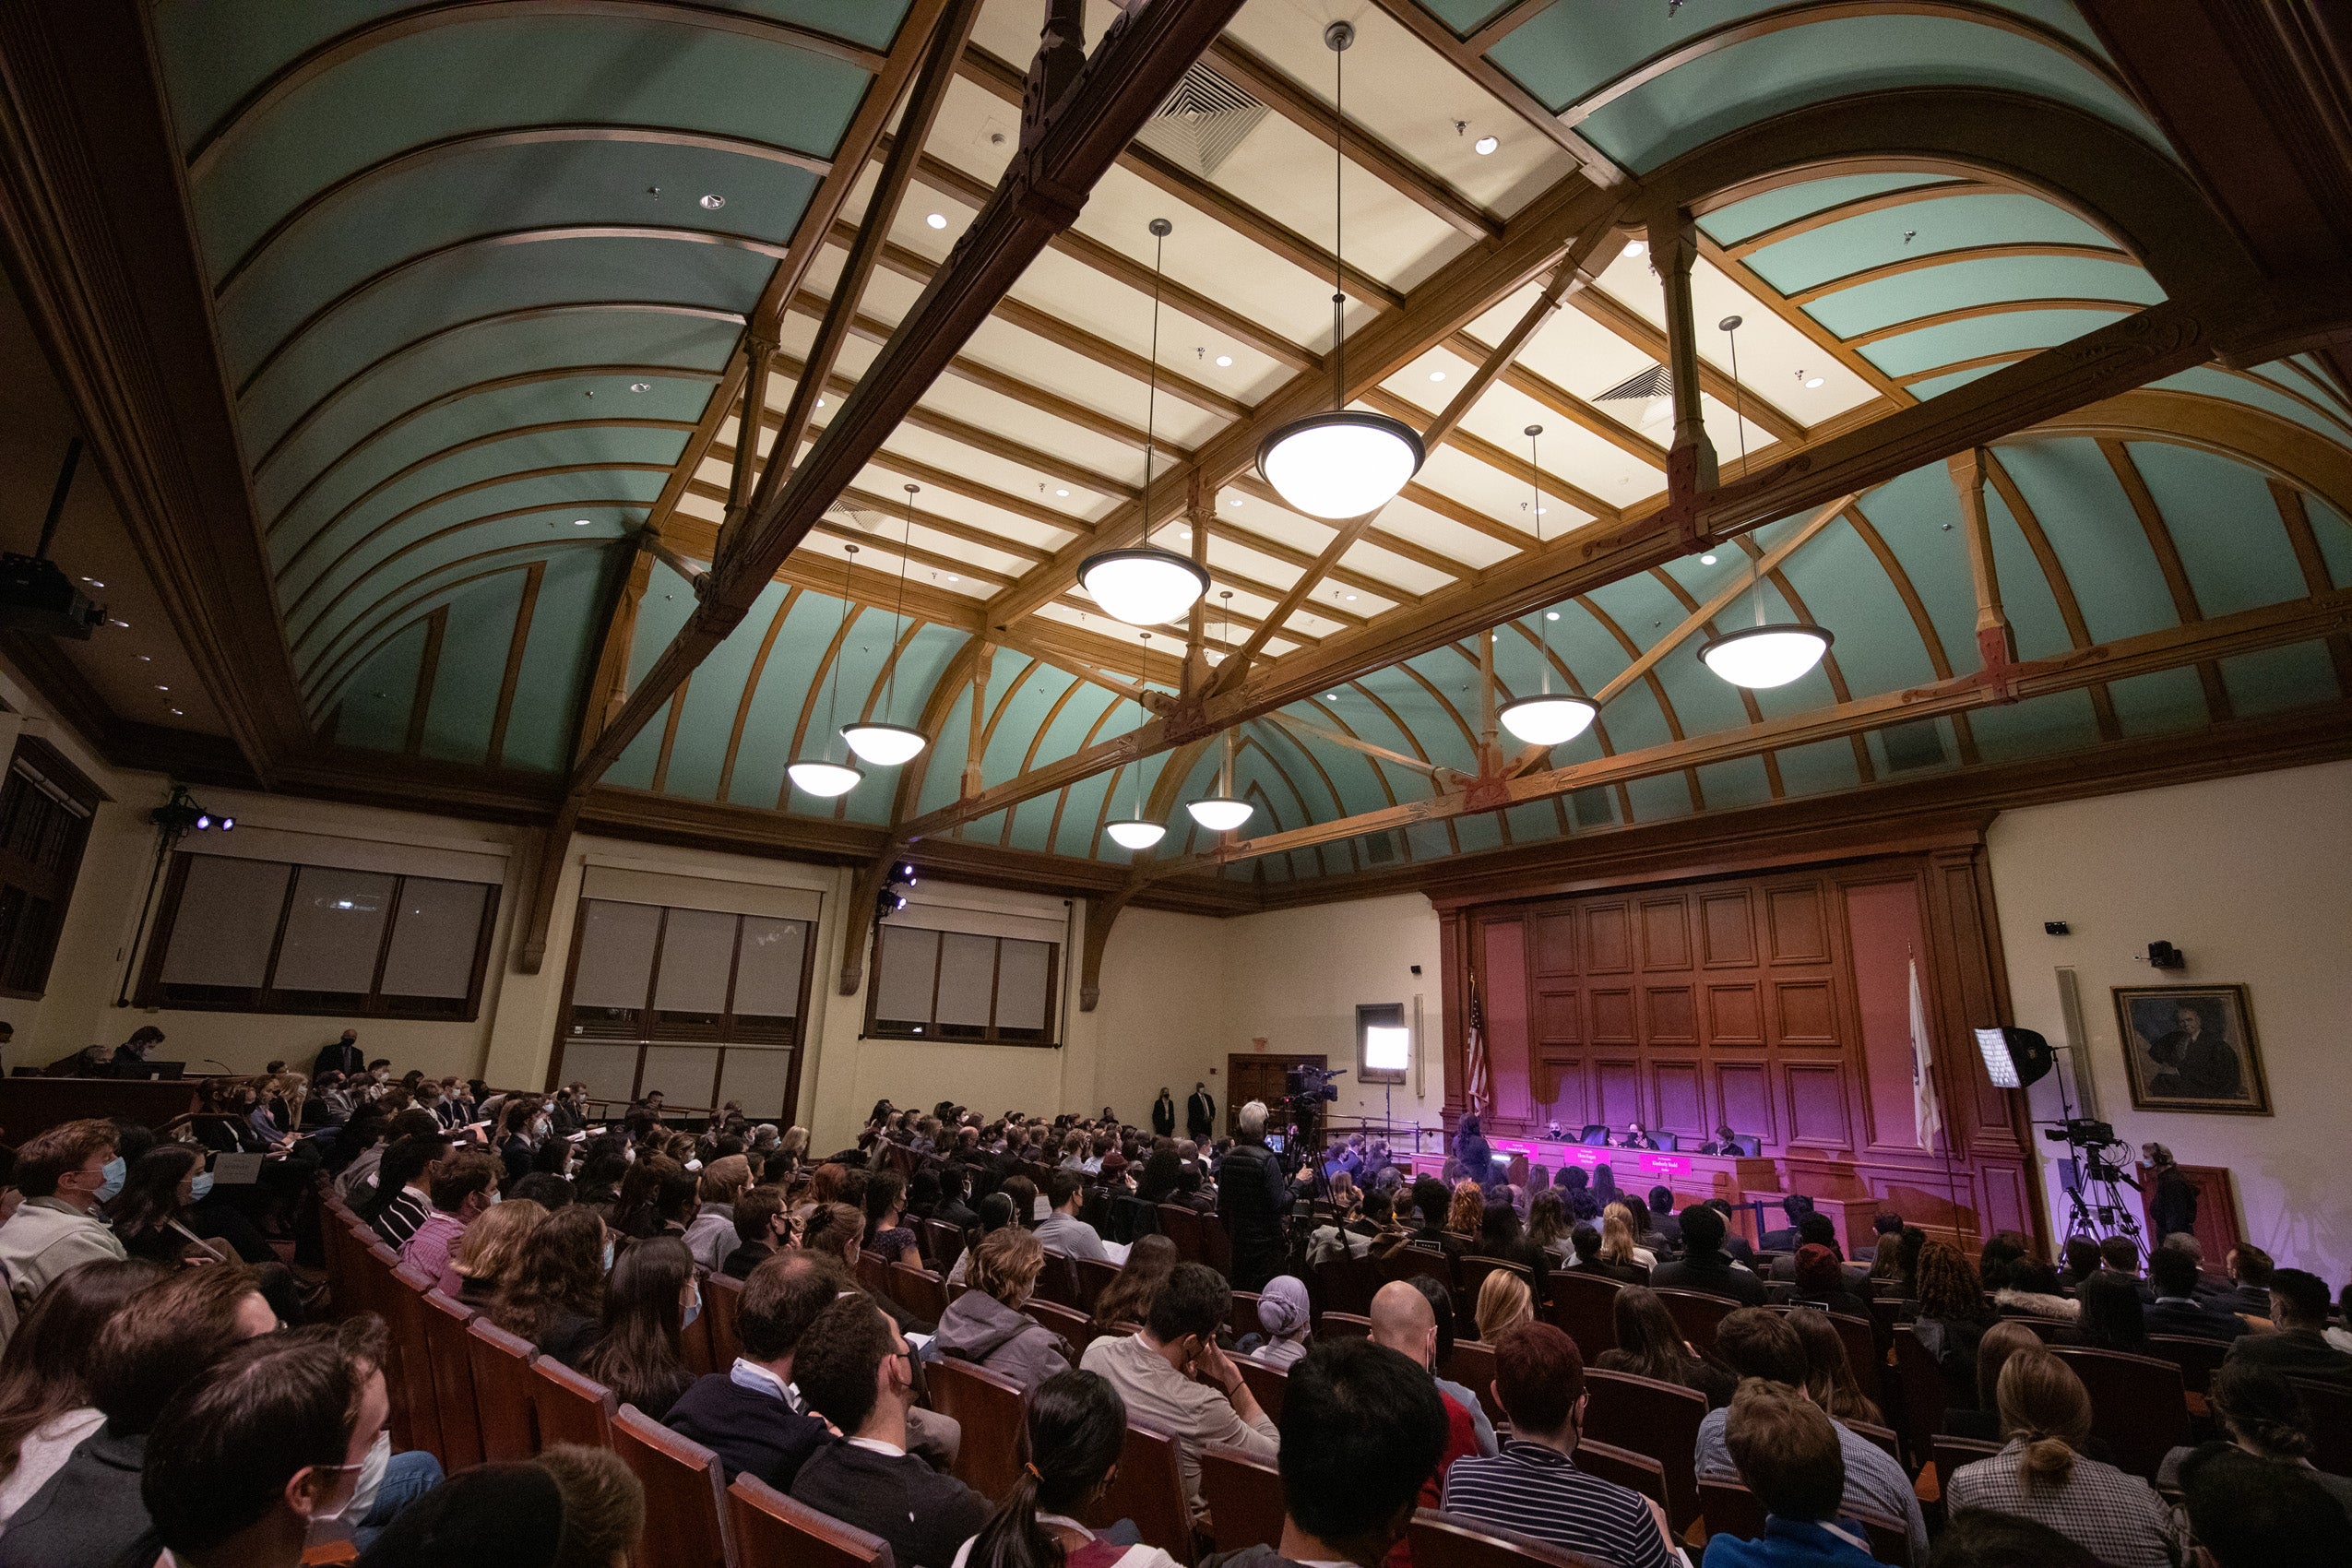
2083, 1133
1312, 1083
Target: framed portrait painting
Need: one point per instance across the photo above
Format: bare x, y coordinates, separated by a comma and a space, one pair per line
2192, 1048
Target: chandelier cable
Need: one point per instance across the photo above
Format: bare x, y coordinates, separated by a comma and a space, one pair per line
1338, 226
899, 614
833, 696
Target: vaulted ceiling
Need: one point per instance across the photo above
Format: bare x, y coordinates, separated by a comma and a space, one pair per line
480, 277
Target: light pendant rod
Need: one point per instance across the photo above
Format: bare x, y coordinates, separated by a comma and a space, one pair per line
1221, 813
1764, 655
1339, 35
1135, 832
1535, 471
879, 741
1545, 719
821, 775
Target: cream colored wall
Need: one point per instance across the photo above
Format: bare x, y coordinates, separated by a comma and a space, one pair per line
2252, 877
1164, 977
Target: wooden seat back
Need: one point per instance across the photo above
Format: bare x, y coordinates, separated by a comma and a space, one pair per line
1730, 1509
769, 1528
1920, 1384
1661, 1419
1472, 1366
2330, 1407
2197, 1358
990, 1407
1074, 1327
722, 1303
695, 1344
1095, 1275
919, 1290
408, 1373
1343, 1325
1950, 1453
1183, 1226
1584, 1307
1244, 1497
1698, 1315
1411, 1263
502, 1369
1242, 1314
873, 1272
685, 1510
1345, 1284
941, 1242
1441, 1540
571, 1407
1636, 1472
2138, 1403
1266, 1384
1217, 1244
1148, 1487
1057, 1281
453, 1379
1473, 1269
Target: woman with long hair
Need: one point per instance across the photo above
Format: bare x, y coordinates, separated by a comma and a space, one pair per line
990, 1215
637, 1211
1127, 1301
44, 1395
491, 1247
1650, 1344
651, 1298
1619, 1242
1162, 1172
2113, 1318
885, 1209
554, 1294
1072, 1437
2001, 1341
1829, 1372
1549, 1226
2263, 1414
1466, 1213
1504, 1302
1951, 1317
1604, 1188
2042, 1474
150, 1214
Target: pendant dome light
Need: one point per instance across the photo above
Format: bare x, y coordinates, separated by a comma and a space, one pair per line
1350, 461
1135, 832
1221, 813
1545, 719
1764, 655
821, 775
887, 745
1144, 585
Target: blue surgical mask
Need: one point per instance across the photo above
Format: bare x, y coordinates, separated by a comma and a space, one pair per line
693, 1310
494, 1194
112, 1182
608, 1254
199, 1185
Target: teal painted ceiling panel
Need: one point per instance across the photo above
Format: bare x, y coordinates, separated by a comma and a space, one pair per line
1877, 646
326, 663
1427, 841
2159, 703
294, 434
1918, 515
1660, 799
1537, 822
713, 694
2334, 536
1931, 348
1081, 808
374, 710
1753, 80
463, 285
1918, 228
2260, 393
2095, 535
1956, 285
2225, 525
634, 770
1936, 386
1741, 782
1818, 769
2026, 598
945, 776
1025, 707
559, 659
490, 72
1478, 834
475, 639
484, 197
2276, 679
296, 503
2037, 727
1744, 219
668, 599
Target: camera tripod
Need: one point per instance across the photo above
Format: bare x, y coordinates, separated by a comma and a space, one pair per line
2095, 1202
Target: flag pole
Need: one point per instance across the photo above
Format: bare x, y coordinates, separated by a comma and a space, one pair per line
1950, 1177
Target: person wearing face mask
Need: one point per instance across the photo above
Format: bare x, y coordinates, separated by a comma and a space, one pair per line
650, 1300
268, 1442
64, 1173
160, 1214
463, 1185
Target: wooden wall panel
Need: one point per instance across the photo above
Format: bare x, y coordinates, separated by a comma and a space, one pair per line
1619, 1090
1883, 919
1727, 930
1555, 944
1675, 1086
1744, 1100
1505, 997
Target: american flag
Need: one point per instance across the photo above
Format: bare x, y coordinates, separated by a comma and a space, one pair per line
1480, 1087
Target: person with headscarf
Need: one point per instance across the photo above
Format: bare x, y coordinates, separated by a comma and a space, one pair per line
1282, 1313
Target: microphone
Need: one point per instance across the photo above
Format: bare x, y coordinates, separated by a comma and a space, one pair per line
216, 1062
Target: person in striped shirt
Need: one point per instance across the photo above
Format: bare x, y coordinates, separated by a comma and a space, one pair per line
1533, 1486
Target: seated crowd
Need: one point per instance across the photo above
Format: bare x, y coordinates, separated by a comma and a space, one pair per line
178, 1384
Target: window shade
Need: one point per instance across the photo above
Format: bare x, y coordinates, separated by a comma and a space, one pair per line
333, 929
768, 971
435, 933
697, 953
226, 922
616, 954
905, 965
1021, 985
967, 980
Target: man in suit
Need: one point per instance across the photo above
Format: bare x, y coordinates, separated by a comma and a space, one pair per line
2299, 1347
1704, 1266
1662, 1223
2248, 1292
1200, 1114
343, 1055
1796, 1205
745, 1414
855, 1369
2172, 1271
1163, 1114
1725, 1142
130, 1057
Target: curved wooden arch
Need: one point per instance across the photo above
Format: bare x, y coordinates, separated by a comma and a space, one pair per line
1412, 742
1028, 754
1922, 624
890, 661
492, 481
1444, 703
1062, 797
953, 682
1860, 207
1633, 650
474, 443
2061, 588
547, 234
2266, 442
751, 689
808, 705
2115, 181
1323, 774
2001, 251
335, 394
372, 641
459, 394
424, 154
353, 42
2319, 409
1978, 312
1748, 704
296, 642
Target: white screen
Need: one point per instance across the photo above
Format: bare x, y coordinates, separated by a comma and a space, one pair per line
1387, 1048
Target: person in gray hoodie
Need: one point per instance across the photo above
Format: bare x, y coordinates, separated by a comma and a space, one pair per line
985, 1325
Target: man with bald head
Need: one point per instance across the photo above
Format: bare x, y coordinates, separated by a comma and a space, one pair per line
1403, 1320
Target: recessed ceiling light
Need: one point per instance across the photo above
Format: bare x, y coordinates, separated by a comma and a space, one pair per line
1057, 490
954, 579
937, 219
1813, 380
714, 202
124, 624
1638, 248
1352, 598
820, 402
1183, 533
579, 522
1224, 362
1551, 614
640, 386
181, 711
146, 659
163, 688
1437, 375
1707, 560
1485, 145
1237, 501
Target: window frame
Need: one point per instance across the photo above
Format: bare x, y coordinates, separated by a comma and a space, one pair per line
877, 1027
267, 998
52, 885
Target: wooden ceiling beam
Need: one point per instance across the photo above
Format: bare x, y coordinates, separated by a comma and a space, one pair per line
1636, 329
1424, 25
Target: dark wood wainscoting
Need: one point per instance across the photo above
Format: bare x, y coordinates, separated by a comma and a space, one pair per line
1774, 999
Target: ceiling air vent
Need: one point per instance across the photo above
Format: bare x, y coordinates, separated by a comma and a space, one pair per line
1642, 387
1380, 849
1916, 744
1202, 122
1592, 806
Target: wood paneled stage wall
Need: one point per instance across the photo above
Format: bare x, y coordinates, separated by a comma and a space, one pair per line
1774, 999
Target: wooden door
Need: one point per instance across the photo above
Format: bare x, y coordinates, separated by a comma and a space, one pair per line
1256, 1076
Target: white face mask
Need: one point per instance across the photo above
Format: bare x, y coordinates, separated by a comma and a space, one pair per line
363, 1499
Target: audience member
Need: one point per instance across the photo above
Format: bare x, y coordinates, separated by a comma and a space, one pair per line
2248, 1293
2082, 1261
1821, 1281
1703, 1265
763, 1228
1252, 1197
986, 1326
1981, 1419
1283, 1315
2045, 1415
712, 1236
2174, 1274
1792, 1457
157, 1342
553, 1296
1620, 1243
885, 1211
1533, 1486
649, 1299
1440, 1306
2249, 1514
2297, 1347
1650, 1344
1758, 1344
45, 1409
1126, 1301
1403, 1320
486, 1255
463, 1185
2114, 1317
1952, 1318
1504, 1302
1072, 1435
2264, 1416
568, 1508
1830, 1381
1173, 1376
64, 1173
1983, 1538
855, 1370
2033, 1291
1062, 1230
745, 1414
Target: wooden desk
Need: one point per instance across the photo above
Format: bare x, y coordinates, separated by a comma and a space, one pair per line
29, 1106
